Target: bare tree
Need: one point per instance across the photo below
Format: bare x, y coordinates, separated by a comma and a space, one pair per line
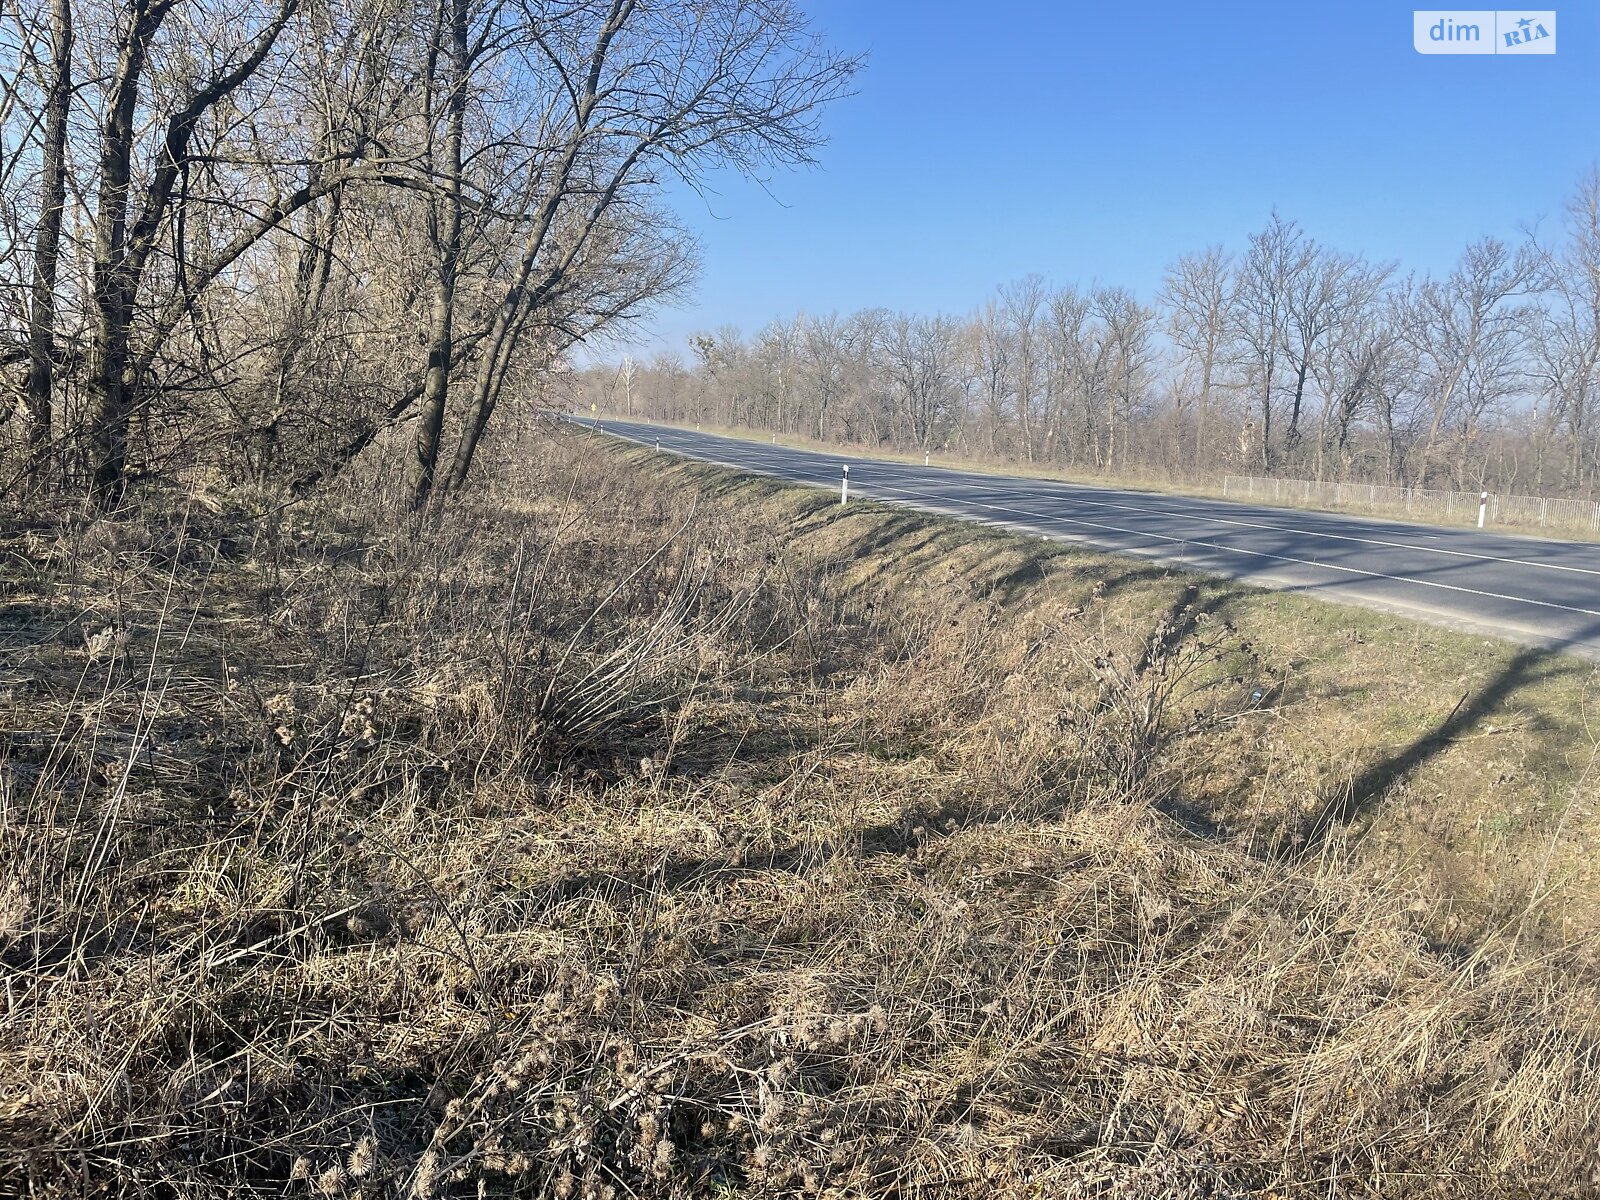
1321, 289
921, 355
1267, 278
1566, 340
1198, 296
828, 344
1350, 357
130, 218
1468, 338
1024, 303
451, 58
1070, 376
683, 88
284, 202
47, 237
1127, 332
990, 345
628, 372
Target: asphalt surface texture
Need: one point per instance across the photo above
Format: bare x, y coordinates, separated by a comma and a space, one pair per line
1536, 591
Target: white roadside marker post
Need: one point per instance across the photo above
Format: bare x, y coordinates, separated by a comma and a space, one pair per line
844, 485
658, 445
1483, 508
926, 454
774, 439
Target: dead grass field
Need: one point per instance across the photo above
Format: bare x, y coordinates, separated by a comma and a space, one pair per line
640, 830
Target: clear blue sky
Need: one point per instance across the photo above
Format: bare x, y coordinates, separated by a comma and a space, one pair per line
988, 140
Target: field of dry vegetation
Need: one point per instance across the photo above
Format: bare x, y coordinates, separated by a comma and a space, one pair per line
632, 830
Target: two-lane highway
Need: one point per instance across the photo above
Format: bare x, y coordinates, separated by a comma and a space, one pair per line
1531, 590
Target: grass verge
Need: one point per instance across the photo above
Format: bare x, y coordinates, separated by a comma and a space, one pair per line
640, 829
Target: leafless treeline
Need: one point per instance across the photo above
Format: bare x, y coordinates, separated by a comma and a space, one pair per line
1285, 357
255, 234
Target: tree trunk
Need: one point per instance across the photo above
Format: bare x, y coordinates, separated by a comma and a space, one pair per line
1291, 437
120, 252
447, 243
47, 241
108, 343
1266, 419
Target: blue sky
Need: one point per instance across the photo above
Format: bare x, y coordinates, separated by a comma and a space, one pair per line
989, 140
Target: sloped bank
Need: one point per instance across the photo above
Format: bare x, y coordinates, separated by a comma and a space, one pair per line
639, 830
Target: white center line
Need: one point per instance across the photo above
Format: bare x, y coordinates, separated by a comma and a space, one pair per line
936, 502
1343, 537
1144, 533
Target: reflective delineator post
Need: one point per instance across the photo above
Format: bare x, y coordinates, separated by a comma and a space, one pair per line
1483, 508
844, 485
774, 439
926, 454
658, 445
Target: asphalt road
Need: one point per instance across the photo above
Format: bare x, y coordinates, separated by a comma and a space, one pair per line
1531, 590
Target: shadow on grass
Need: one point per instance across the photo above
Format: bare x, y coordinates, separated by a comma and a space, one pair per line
920, 542
1526, 668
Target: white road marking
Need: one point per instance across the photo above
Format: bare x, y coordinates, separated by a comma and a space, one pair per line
1067, 491
1059, 489
1213, 546
1343, 537
1145, 533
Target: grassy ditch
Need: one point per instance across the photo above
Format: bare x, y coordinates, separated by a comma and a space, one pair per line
1461, 765
638, 829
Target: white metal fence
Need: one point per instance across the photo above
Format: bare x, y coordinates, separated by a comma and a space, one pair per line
1418, 502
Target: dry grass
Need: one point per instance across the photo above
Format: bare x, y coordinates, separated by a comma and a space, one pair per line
1466, 764
609, 840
